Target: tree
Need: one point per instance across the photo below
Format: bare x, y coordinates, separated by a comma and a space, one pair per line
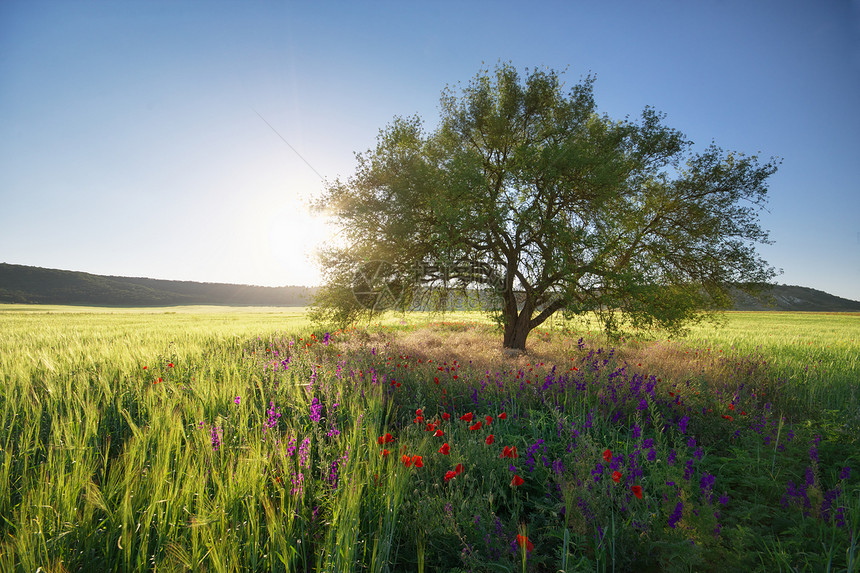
525, 194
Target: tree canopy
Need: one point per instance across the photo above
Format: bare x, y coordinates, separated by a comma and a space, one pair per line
527, 196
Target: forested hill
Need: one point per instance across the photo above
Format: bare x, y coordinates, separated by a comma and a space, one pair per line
795, 298
35, 285
24, 284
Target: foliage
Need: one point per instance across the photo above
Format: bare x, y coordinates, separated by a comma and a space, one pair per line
526, 193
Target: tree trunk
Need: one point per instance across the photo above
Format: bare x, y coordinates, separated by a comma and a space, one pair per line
517, 327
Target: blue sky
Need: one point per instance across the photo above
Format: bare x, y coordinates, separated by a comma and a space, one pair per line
131, 145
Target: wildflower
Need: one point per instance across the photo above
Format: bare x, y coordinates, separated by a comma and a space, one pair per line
407, 461
446, 416
144, 367
517, 481
429, 427
616, 476
637, 491
445, 449
237, 399
418, 461
489, 439
846, 471
467, 417
170, 365
475, 426
316, 410
449, 475
523, 541
438, 433
459, 469
509, 452
607, 456
384, 453
502, 416
676, 515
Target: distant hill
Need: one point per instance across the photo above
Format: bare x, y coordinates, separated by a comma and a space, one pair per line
24, 284
35, 285
795, 298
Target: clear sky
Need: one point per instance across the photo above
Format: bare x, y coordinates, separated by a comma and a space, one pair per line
131, 145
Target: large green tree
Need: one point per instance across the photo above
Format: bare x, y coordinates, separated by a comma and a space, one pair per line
526, 195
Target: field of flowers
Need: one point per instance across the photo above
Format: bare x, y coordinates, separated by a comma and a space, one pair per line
243, 441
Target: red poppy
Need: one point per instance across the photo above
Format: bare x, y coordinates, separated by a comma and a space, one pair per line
502, 416
170, 365
490, 439
436, 379
418, 461
523, 541
384, 453
459, 469
476, 425
466, 417
514, 453
419, 419
517, 481
438, 433
731, 407
429, 427
489, 419
446, 416
449, 475
445, 449
144, 367
637, 491
418, 412
616, 476
607, 455
407, 461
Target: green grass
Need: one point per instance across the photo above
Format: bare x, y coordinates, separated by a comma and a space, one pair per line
183, 439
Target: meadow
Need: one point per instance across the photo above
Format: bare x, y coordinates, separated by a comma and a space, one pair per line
213, 439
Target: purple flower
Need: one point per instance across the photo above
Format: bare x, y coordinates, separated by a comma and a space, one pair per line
274, 415
706, 485
237, 399
846, 471
637, 431
304, 450
316, 410
688, 470
682, 425
672, 455
676, 515
215, 435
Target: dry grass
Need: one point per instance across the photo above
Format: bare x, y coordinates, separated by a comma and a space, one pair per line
481, 347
